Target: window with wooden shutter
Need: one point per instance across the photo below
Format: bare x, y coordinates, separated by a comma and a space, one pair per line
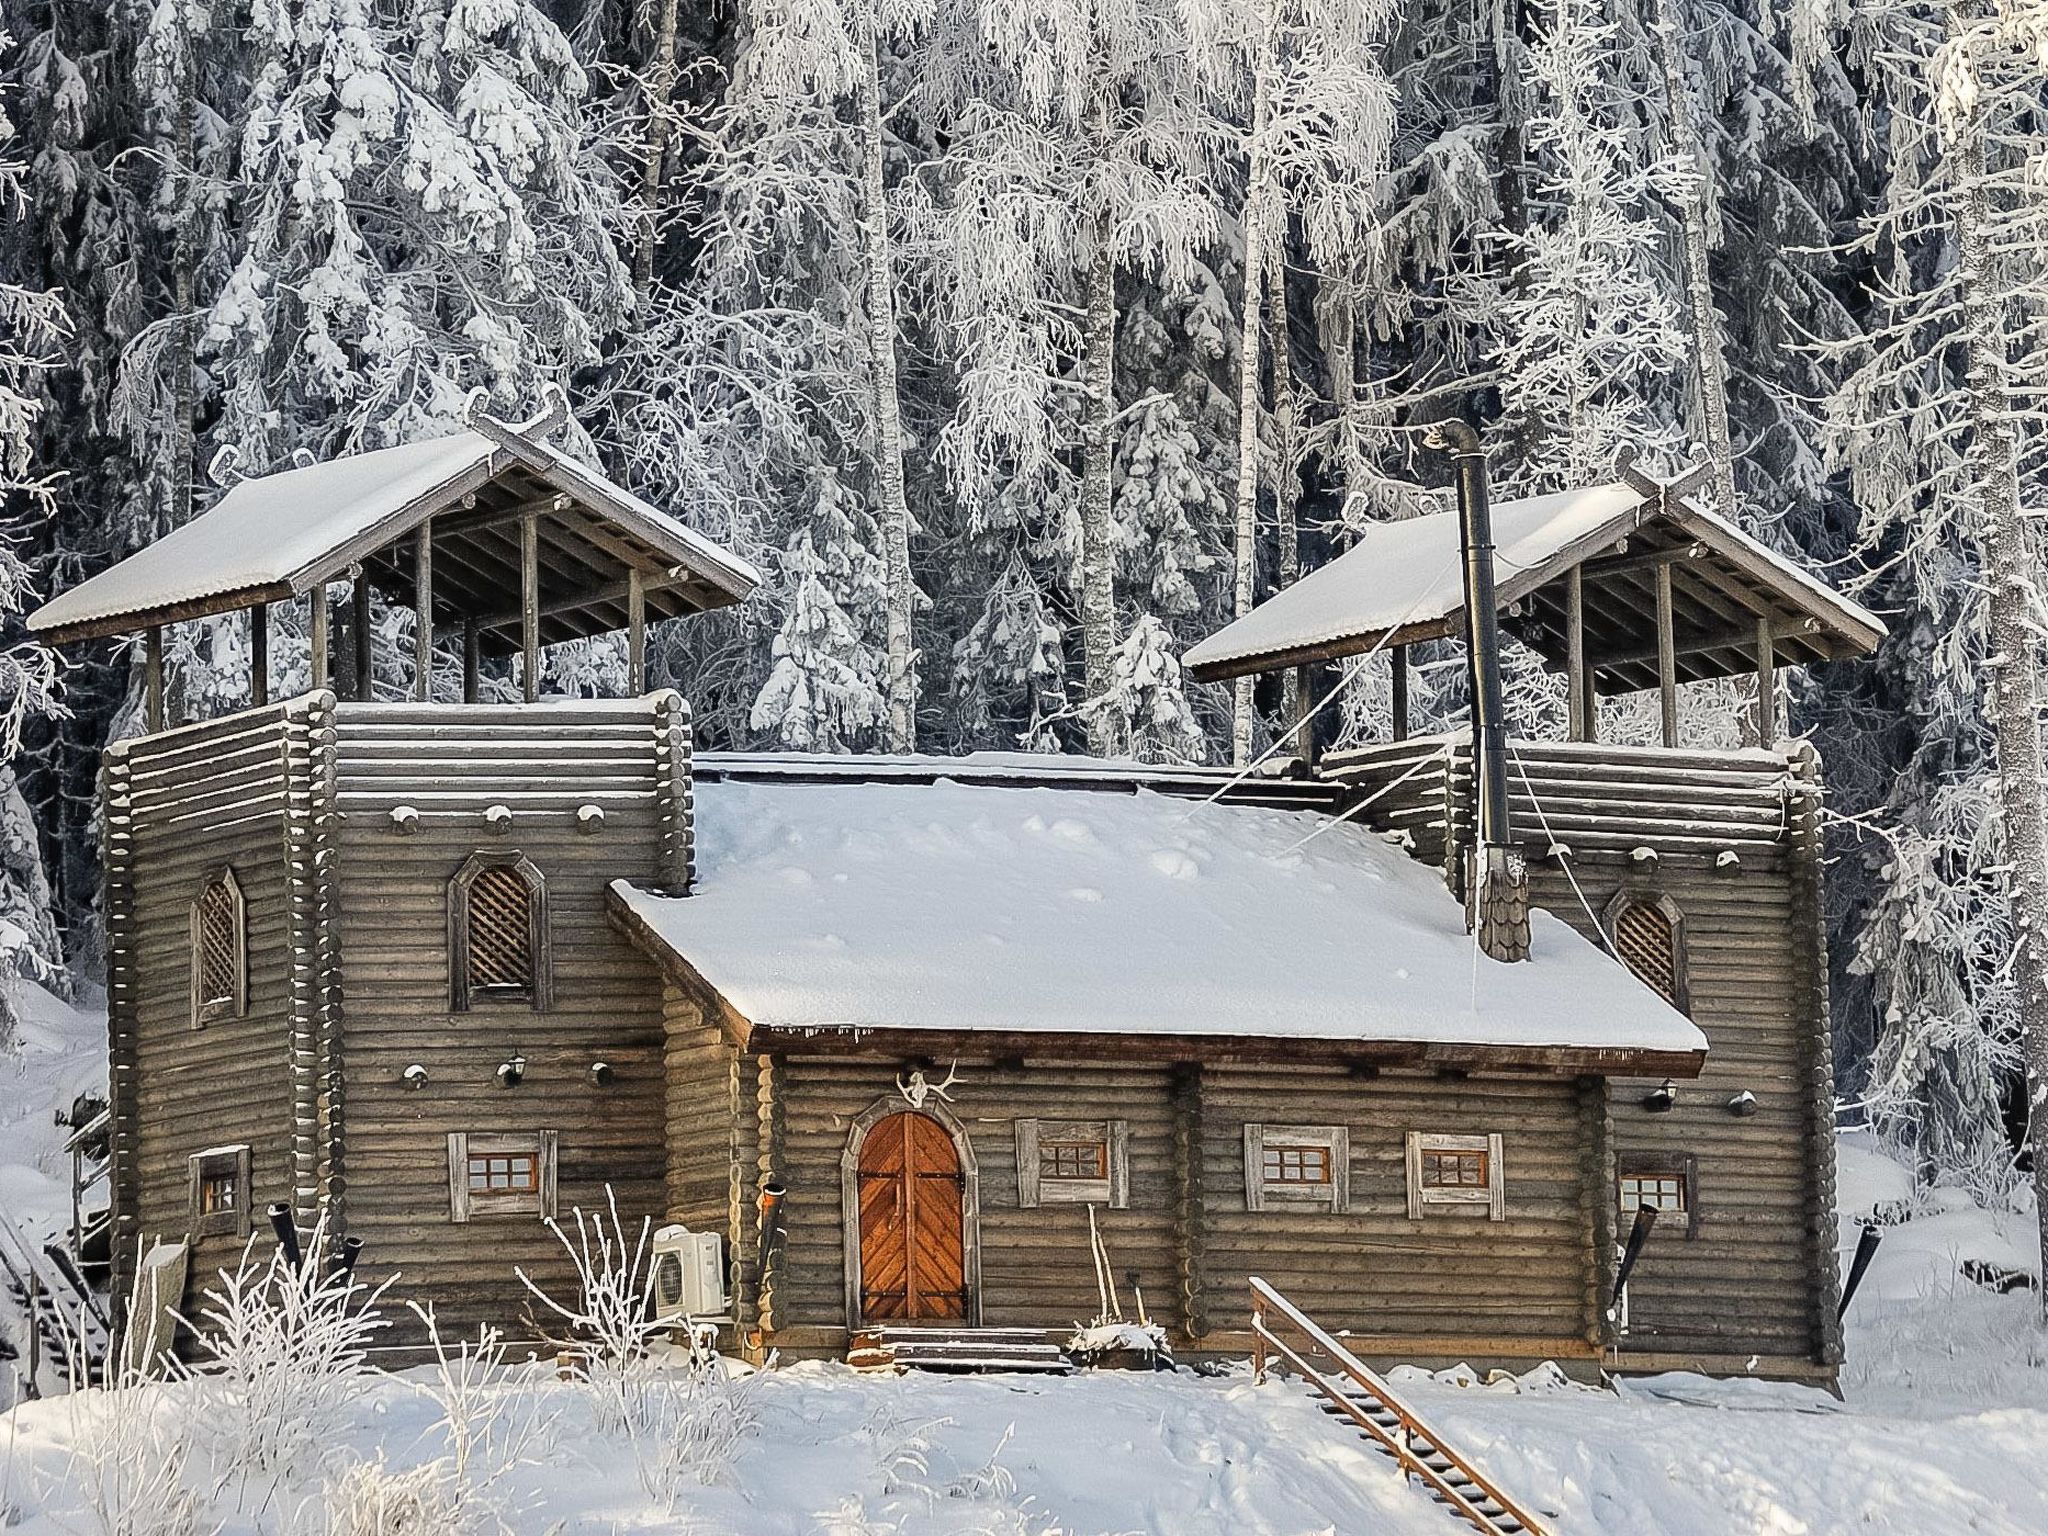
501, 1174
1648, 934
498, 933
1073, 1162
220, 1194
220, 950
1456, 1170
1297, 1164
1667, 1183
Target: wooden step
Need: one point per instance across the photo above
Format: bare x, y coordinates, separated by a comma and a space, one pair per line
956, 1350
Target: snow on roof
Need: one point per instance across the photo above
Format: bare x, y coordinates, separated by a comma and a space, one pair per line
1407, 576
1407, 573
270, 534
947, 907
267, 528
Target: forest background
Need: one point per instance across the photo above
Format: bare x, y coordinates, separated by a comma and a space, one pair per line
1020, 345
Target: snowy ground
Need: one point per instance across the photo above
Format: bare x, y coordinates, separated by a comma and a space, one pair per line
1945, 1429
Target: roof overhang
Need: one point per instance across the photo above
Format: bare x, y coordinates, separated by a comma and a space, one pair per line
869, 1042
1398, 585
276, 537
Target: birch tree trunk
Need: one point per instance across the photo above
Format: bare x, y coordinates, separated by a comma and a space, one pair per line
1710, 368
893, 509
2009, 567
1257, 217
661, 87
1098, 549
1286, 527
184, 261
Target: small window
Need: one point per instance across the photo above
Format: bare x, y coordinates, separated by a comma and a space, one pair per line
1667, 1185
501, 1174
1073, 1162
220, 964
498, 933
1450, 1170
1297, 1165
220, 1192
1649, 937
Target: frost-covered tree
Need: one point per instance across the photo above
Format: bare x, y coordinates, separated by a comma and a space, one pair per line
1318, 123
1940, 424
32, 325
1590, 335
825, 693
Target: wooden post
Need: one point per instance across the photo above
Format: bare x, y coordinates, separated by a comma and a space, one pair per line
636, 632
365, 686
317, 637
1304, 715
259, 654
471, 643
153, 677
423, 612
1579, 684
1667, 655
1398, 656
529, 603
1766, 684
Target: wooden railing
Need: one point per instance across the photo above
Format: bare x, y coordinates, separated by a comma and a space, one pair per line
1345, 1379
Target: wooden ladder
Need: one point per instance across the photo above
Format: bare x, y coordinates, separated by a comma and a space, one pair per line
1353, 1391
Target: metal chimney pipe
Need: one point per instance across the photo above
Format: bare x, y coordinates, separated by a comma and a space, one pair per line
1482, 627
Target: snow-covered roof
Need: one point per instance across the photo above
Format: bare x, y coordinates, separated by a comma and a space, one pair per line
1070, 915
1403, 581
272, 537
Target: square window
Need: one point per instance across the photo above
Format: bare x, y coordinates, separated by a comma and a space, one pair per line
501, 1174
1461, 1171
1667, 1185
1072, 1162
1297, 1165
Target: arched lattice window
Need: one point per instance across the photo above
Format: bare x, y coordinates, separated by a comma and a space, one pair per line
220, 950
498, 933
1649, 936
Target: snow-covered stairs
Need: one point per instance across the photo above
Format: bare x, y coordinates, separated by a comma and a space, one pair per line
1430, 1456
1362, 1400
910, 1347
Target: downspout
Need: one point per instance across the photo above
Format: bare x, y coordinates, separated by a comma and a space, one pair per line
1497, 887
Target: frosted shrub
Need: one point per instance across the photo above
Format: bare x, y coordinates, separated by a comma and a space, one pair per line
610, 1319
127, 1474
488, 1427
702, 1415
283, 1360
683, 1411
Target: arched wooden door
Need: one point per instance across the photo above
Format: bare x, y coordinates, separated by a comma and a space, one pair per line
913, 1258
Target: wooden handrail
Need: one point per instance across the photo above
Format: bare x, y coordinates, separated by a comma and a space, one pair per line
1267, 1302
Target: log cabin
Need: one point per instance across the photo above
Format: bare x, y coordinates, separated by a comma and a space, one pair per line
438, 966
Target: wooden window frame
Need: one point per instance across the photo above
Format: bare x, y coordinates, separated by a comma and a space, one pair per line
1682, 1166
1261, 1195
236, 1004
540, 997
1673, 914
1491, 1197
1035, 1187
217, 1162
466, 1204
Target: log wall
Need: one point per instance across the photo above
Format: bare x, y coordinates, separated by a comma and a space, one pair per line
1735, 845
545, 765
177, 808
1451, 1285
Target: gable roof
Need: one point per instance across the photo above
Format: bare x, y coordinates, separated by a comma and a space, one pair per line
1403, 581
890, 916
273, 537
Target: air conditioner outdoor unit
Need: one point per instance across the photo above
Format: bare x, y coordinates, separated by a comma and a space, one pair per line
689, 1275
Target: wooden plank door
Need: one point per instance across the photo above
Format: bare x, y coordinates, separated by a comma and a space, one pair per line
912, 1253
